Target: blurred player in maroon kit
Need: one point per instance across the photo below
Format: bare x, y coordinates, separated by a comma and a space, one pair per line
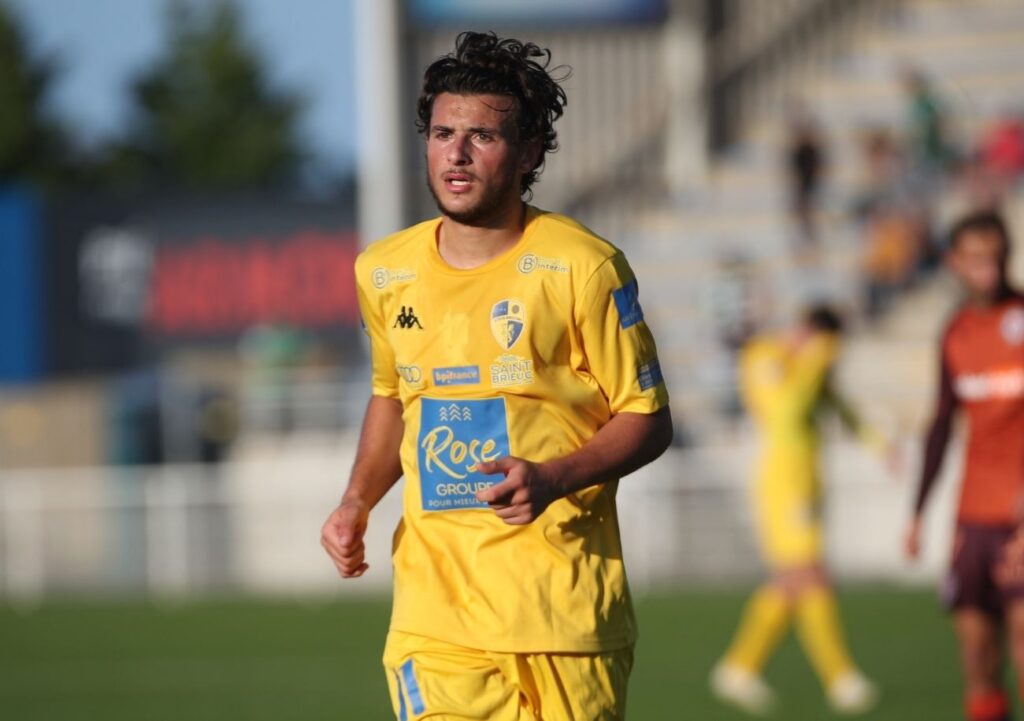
983, 375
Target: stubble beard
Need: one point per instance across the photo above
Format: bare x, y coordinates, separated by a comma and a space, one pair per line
488, 208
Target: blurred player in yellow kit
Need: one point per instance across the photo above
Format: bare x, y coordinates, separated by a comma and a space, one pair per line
514, 382
785, 383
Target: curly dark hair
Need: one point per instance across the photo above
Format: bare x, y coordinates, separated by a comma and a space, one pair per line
482, 64
980, 221
824, 318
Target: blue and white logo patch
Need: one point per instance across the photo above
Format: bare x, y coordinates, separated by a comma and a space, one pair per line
508, 318
457, 376
456, 435
627, 301
649, 374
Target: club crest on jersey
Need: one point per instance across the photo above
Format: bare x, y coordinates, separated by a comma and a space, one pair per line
1012, 326
508, 319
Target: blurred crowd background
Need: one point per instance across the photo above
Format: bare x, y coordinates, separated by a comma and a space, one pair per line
184, 186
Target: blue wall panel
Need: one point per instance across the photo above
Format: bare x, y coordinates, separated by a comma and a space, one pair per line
21, 311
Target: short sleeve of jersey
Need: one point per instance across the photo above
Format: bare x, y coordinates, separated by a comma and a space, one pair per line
382, 358
619, 348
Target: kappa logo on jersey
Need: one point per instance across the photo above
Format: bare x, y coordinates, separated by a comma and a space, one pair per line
508, 319
381, 277
627, 301
1012, 326
454, 437
407, 319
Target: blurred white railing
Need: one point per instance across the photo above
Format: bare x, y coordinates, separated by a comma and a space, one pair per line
253, 526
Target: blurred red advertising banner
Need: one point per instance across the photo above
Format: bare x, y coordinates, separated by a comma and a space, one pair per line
212, 286
128, 279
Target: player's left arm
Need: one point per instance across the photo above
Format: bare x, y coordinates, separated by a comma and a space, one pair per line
851, 420
627, 442
623, 360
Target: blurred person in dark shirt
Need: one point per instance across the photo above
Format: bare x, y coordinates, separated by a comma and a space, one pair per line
806, 162
927, 132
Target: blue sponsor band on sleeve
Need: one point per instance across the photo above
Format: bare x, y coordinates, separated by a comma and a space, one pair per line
627, 301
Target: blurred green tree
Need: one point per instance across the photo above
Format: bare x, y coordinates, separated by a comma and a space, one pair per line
206, 117
33, 147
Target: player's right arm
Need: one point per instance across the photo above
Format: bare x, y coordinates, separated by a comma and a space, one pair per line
934, 450
378, 464
376, 469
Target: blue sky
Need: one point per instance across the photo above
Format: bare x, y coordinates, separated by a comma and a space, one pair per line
102, 44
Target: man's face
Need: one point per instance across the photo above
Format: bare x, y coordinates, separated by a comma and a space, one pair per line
806, 334
474, 160
979, 260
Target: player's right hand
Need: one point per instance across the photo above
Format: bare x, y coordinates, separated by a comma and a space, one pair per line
342, 538
912, 539
895, 459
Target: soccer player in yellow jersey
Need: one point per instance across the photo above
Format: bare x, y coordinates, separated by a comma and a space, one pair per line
785, 383
514, 381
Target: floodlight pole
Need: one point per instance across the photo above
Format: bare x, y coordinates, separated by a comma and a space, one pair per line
379, 62
685, 160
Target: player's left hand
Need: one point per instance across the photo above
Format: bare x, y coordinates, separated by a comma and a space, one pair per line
523, 495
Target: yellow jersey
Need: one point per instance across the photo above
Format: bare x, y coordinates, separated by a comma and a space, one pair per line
527, 355
783, 390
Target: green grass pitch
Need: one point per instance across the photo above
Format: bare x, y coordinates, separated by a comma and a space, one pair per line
241, 660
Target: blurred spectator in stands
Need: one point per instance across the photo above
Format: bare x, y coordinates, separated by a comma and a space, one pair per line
1001, 149
893, 246
806, 162
272, 353
894, 219
217, 423
993, 170
884, 176
927, 137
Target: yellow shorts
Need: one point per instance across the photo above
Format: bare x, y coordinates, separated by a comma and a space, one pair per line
788, 518
435, 680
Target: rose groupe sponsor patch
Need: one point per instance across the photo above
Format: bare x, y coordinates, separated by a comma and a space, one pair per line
455, 436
